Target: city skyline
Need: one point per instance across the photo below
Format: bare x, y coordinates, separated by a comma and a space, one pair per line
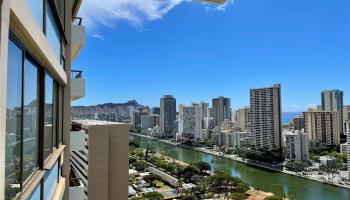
302, 48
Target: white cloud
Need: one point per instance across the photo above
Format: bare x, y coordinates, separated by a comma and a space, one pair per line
295, 106
224, 6
137, 12
98, 36
312, 105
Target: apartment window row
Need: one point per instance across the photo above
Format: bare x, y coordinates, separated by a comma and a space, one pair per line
44, 12
45, 190
34, 125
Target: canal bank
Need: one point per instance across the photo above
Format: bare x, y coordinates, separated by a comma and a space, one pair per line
271, 181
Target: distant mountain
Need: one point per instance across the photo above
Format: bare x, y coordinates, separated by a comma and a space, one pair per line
120, 109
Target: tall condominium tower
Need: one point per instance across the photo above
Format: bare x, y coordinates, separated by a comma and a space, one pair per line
155, 111
243, 118
332, 100
38, 42
265, 105
323, 126
167, 115
221, 110
204, 107
346, 115
191, 120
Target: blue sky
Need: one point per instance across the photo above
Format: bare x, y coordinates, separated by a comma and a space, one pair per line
143, 49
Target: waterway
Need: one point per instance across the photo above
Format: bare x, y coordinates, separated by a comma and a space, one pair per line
269, 181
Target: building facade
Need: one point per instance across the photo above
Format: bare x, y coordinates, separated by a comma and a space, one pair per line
39, 39
323, 127
167, 115
221, 110
243, 118
297, 146
332, 100
149, 121
298, 123
265, 105
156, 111
100, 159
191, 122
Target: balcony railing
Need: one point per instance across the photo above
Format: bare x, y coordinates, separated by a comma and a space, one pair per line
77, 21
76, 74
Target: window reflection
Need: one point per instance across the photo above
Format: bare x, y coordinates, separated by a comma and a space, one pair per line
30, 119
48, 125
50, 182
36, 7
52, 32
13, 121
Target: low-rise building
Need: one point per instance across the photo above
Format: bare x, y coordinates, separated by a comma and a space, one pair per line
327, 161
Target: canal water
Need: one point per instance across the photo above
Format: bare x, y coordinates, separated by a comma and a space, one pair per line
269, 181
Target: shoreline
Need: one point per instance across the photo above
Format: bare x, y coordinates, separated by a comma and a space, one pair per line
241, 160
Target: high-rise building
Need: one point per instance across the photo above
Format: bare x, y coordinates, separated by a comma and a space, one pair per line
204, 107
100, 157
297, 148
210, 113
347, 128
38, 42
156, 110
136, 120
323, 126
298, 123
243, 118
265, 109
192, 122
332, 100
149, 121
221, 110
347, 124
346, 115
167, 115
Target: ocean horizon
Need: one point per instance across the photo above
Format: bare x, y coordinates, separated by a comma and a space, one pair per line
288, 116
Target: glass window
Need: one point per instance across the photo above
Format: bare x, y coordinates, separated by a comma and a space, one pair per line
37, 8
37, 193
13, 121
52, 32
30, 119
60, 114
50, 182
48, 126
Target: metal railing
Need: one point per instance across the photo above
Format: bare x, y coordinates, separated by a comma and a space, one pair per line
77, 21
76, 74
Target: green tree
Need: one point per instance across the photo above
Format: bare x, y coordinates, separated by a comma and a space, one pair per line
153, 196
188, 172
238, 196
189, 197
202, 166
274, 198
140, 165
152, 178
137, 198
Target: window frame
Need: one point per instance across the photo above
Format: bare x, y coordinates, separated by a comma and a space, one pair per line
57, 98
